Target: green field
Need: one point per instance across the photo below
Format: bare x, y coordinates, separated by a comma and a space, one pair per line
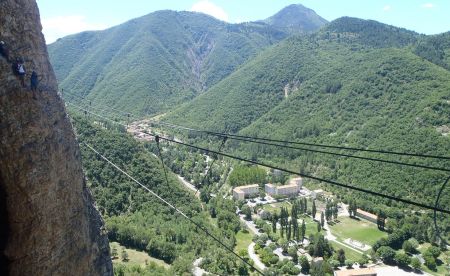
275, 207
135, 257
349, 254
243, 240
311, 225
360, 230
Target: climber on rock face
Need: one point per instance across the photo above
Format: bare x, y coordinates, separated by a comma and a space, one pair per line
21, 72
4, 52
34, 81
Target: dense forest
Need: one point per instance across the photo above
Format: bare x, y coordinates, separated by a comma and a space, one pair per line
138, 220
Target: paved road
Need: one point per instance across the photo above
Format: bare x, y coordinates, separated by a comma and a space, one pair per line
254, 257
251, 247
250, 225
188, 185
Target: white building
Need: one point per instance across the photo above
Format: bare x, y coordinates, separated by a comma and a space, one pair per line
296, 181
243, 192
292, 188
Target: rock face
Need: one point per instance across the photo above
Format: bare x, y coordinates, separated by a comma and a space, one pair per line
48, 223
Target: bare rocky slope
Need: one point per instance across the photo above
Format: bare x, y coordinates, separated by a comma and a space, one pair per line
48, 223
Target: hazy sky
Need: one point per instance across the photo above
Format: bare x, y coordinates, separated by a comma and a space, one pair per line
64, 17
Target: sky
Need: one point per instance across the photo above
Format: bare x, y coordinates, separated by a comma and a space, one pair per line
63, 17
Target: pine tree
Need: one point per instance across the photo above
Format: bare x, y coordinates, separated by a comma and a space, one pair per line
335, 211
289, 231
313, 211
322, 219
303, 231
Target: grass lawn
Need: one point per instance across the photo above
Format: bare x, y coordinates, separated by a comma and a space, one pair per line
349, 254
311, 225
276, 207
360, 230
135, 257
243, 240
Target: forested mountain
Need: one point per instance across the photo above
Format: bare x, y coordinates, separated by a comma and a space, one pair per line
342, 85
155, 62
296, 19
436, 49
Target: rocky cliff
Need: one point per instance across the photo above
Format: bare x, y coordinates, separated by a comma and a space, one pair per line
48, 223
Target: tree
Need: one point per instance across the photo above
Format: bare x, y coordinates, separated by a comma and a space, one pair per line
408, 247
381, 220
288, 234
247, 211
349, 263
284, 245
322, 220
334, 263
402, 259
341, 256
314, 210
363, 260
303, 230
274, 222
304, 264
319, 227
296, 234
114, 253
430, 262
415, 263
433, 251
335, 211
386, 253
124, 255
292, 251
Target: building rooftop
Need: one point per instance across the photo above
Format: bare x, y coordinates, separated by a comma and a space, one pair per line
367, 214
369, 271
246, 186
288, 186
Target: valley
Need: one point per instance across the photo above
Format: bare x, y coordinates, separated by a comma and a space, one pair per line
315, 150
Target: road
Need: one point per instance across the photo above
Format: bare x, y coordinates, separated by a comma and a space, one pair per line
189, 185
251, 247
250, 225
254, 257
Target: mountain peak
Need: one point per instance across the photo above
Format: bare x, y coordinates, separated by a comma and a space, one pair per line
296, 18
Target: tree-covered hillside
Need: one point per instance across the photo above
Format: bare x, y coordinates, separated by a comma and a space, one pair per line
338, 91
139, 220
436, 49
152, 63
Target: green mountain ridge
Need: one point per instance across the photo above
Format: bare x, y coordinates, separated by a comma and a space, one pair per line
296, 18
157, 61
332, 90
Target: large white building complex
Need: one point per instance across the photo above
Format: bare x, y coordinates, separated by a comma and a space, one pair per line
243, 192
294, 186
